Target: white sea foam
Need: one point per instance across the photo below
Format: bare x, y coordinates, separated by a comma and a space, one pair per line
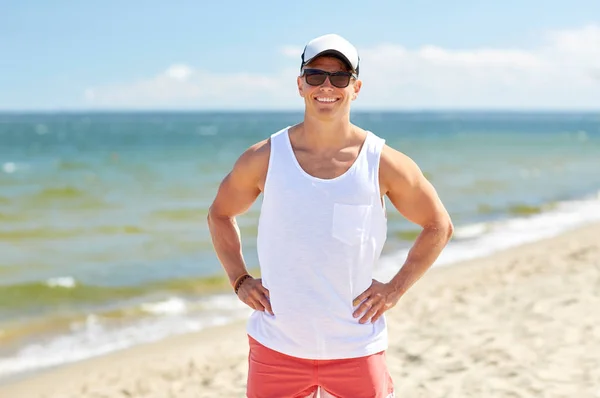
172, 305
93, 338
478, 240
471, 231
9, 167
62, 281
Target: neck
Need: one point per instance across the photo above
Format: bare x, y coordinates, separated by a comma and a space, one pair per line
326, 133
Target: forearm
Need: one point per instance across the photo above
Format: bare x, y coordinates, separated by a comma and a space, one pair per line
426, 249
227, 242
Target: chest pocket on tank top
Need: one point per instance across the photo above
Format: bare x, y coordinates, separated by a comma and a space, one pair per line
351, 223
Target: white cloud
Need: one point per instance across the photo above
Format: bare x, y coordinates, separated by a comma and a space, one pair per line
563, 72
179, 72
182, 86
582, 44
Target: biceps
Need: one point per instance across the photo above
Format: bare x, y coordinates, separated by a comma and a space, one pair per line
419, 203
234, 196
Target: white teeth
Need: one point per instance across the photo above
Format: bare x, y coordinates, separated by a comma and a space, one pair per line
320, 99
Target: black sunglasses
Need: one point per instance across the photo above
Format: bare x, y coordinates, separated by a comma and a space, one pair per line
316, 77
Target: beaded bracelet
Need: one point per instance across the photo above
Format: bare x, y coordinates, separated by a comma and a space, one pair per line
239, 281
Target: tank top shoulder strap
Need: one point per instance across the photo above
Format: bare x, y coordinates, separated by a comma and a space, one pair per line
277, 155
374, 144
279, 145
374, 147
278, 140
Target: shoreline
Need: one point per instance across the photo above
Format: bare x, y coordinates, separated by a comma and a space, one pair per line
505, 315
184, 305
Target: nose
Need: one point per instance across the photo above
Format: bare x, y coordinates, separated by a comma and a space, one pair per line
326, 84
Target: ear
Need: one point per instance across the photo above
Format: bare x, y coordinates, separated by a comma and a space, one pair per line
300, 86
356, 89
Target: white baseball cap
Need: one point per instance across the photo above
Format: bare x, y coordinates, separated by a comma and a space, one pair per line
331, 44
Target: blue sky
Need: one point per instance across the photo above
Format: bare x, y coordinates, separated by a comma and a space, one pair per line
244, 55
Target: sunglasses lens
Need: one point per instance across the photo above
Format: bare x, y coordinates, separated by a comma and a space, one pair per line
340, 81
315, 78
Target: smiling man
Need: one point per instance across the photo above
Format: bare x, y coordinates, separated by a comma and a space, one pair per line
319, 315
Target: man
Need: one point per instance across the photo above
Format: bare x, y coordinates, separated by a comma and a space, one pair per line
319, 315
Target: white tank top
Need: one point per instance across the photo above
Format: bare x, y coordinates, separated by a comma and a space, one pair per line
318, 241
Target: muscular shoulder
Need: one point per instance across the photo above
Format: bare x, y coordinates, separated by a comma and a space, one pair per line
253, 163
398, 170
256, 155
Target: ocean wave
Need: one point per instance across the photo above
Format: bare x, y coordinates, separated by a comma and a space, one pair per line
193, 214
36, 233
525, 209
51, 233
471, 231
407, 235
172, 305
64, 192
527, 224
64, 292
68, 339
71, 294
66, 196
122, 312
9, 167
516, 209
66, 282
92, 337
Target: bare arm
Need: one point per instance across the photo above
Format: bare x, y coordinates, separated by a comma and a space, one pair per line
416, 199
236, 194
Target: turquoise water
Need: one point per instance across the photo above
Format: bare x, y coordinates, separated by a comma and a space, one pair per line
103, 239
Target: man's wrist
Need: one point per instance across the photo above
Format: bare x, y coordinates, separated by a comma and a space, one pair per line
397, 287
399, 282
233, 279
239, 280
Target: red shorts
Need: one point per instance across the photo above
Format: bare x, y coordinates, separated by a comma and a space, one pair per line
272, 374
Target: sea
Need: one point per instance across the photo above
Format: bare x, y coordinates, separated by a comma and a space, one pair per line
103, 235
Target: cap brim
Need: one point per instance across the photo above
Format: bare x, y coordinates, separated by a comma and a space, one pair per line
331, 53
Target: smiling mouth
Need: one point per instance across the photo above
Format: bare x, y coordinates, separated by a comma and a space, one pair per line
326, 100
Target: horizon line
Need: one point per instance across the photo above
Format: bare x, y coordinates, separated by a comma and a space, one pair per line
284, 110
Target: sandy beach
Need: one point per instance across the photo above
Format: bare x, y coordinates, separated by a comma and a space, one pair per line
521, 323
